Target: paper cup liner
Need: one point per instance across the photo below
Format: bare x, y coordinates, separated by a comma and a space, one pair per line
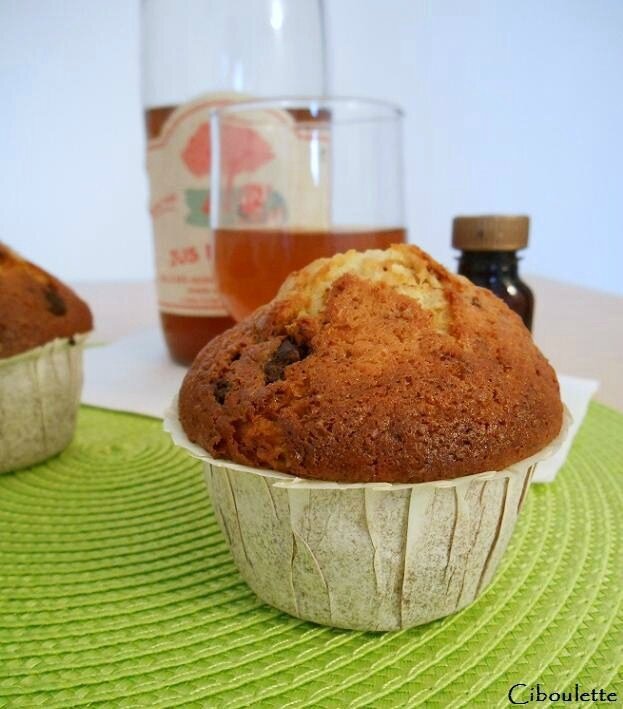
365, 556
39, 400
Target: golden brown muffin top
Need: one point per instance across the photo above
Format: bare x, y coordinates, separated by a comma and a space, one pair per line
374, 366
35, 307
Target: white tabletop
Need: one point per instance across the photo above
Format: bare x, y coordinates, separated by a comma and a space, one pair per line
579, 330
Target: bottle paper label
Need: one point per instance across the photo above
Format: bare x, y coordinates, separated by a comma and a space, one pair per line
178, 164
269, 184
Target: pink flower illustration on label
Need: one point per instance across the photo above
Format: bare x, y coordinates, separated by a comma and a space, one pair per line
253, 200
259, 204
197, 153
242, 150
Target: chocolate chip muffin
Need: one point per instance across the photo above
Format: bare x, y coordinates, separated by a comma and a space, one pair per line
35, 307
379, 366
43, 325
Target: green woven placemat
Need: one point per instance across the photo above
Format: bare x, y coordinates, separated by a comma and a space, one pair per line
117, 588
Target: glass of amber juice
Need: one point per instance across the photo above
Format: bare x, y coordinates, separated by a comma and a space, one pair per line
297, 179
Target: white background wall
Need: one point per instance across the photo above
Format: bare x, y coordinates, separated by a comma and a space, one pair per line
511, 107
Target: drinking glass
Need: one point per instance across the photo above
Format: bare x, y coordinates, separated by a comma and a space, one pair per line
297, 179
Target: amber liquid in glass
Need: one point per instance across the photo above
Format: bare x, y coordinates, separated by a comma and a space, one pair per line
251, 264
185, 335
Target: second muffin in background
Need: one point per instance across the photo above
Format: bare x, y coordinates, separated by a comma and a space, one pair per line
43, 327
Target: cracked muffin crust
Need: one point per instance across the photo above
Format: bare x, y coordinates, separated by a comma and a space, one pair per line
374, 366
35, 307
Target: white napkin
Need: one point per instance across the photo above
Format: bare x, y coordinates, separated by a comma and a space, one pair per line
135, 374
132, 374
576, 393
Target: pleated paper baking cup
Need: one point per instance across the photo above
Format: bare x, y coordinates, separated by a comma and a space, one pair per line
365, 556
39, 399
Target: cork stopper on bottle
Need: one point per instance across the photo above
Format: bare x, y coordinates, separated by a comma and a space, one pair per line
490, 233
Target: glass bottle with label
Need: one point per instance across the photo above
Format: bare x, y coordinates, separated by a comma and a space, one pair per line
489, 246
199, 55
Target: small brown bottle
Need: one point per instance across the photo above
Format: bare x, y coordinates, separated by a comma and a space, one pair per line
489, 246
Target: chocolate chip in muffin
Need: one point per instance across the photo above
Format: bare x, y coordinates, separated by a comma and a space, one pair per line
220, 389
288, 352
56, 305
